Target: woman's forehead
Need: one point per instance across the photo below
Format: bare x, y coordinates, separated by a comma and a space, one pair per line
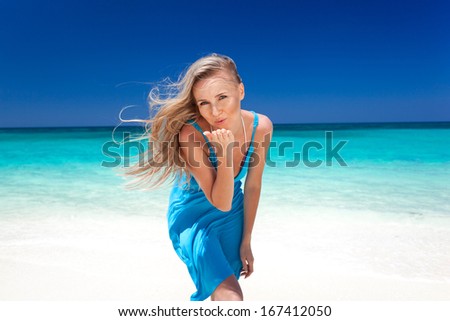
214, 83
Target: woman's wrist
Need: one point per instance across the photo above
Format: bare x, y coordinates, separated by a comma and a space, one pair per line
246, 240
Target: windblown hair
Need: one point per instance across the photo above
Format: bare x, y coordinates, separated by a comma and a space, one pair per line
173, 105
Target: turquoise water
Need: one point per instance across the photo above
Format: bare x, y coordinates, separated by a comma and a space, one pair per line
384, 209
391, 169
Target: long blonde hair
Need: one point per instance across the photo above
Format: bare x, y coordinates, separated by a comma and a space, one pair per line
174, 104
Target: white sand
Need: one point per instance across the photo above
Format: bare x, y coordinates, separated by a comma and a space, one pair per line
112, 258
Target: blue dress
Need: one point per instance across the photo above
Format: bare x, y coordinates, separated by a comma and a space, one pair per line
206, 239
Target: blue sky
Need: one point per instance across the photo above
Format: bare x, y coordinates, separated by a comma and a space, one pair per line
77, 63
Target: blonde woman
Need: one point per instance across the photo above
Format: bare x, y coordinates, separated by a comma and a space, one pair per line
201, 134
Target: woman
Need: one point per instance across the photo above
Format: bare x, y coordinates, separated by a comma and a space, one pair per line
202, 134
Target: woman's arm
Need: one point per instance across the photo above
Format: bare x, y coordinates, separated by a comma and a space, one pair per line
217, 186
223, 187
252, 188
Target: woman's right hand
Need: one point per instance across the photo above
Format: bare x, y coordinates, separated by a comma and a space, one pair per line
222, 139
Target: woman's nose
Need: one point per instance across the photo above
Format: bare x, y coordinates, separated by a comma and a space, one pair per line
215, 110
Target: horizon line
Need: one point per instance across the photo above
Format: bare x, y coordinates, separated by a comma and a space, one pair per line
274, 124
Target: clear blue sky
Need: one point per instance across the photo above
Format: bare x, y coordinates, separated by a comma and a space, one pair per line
77, 63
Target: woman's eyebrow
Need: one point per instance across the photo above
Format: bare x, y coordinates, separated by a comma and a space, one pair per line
201, 99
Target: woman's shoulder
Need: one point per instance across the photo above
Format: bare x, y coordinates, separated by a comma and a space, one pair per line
265, 125
189, 131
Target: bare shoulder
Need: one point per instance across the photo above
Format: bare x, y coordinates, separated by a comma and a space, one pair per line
189, 134
265, 127
263, 136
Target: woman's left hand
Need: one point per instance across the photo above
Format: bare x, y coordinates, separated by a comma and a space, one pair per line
247, 259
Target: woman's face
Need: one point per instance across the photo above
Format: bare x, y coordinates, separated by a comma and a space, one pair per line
218, 99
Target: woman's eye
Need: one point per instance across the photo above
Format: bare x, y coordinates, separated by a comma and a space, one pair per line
203, 103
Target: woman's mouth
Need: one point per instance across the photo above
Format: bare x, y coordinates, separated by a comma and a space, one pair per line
220, 121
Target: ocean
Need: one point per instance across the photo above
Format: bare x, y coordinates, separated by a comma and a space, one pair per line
365, 198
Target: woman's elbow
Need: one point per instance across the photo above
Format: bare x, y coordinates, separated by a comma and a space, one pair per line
221, 203
223, 207
252, 189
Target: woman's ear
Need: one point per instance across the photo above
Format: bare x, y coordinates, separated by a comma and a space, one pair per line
241, 91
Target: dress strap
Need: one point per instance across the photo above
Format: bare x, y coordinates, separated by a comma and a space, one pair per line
255, 124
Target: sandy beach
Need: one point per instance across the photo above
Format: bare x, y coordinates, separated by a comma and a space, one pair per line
130, 258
